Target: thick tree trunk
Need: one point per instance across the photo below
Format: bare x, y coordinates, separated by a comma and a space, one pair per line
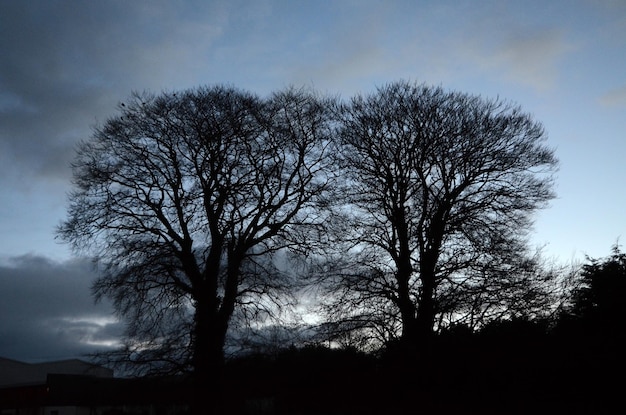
211, 325
208, 360
405, 303
424, 353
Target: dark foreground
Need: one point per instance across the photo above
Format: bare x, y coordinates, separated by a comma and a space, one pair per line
520, 372
514, 375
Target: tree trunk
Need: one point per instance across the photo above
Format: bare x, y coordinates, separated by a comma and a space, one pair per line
426, 307
425, 319
407, 314
405, 304
208, 360
211, 325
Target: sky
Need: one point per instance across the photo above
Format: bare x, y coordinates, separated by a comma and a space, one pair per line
64, 66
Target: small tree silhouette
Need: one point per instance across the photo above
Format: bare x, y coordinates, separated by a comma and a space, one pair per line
598, 304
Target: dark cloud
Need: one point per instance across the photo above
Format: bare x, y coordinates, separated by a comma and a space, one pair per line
47, 311
49, 84
65, 65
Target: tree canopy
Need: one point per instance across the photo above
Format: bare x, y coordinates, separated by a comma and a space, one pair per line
183, 199
440, 191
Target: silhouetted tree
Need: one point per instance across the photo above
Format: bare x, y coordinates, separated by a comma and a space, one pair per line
183, 199
597, 305
440, 191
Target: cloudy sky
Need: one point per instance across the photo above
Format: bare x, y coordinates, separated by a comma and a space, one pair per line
64, 65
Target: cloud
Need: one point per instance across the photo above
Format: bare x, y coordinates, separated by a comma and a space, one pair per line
531, 59
615, 97
66, 65
529, 56
345, 52
435, 42
502, 41
47, 311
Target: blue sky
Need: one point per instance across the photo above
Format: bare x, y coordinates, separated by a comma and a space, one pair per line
66, 64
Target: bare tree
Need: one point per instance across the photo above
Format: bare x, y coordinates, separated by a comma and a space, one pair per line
183, 199
440, 190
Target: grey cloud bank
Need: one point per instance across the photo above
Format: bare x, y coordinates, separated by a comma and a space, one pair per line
47, 312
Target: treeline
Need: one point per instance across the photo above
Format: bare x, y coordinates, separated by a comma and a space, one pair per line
570, 363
